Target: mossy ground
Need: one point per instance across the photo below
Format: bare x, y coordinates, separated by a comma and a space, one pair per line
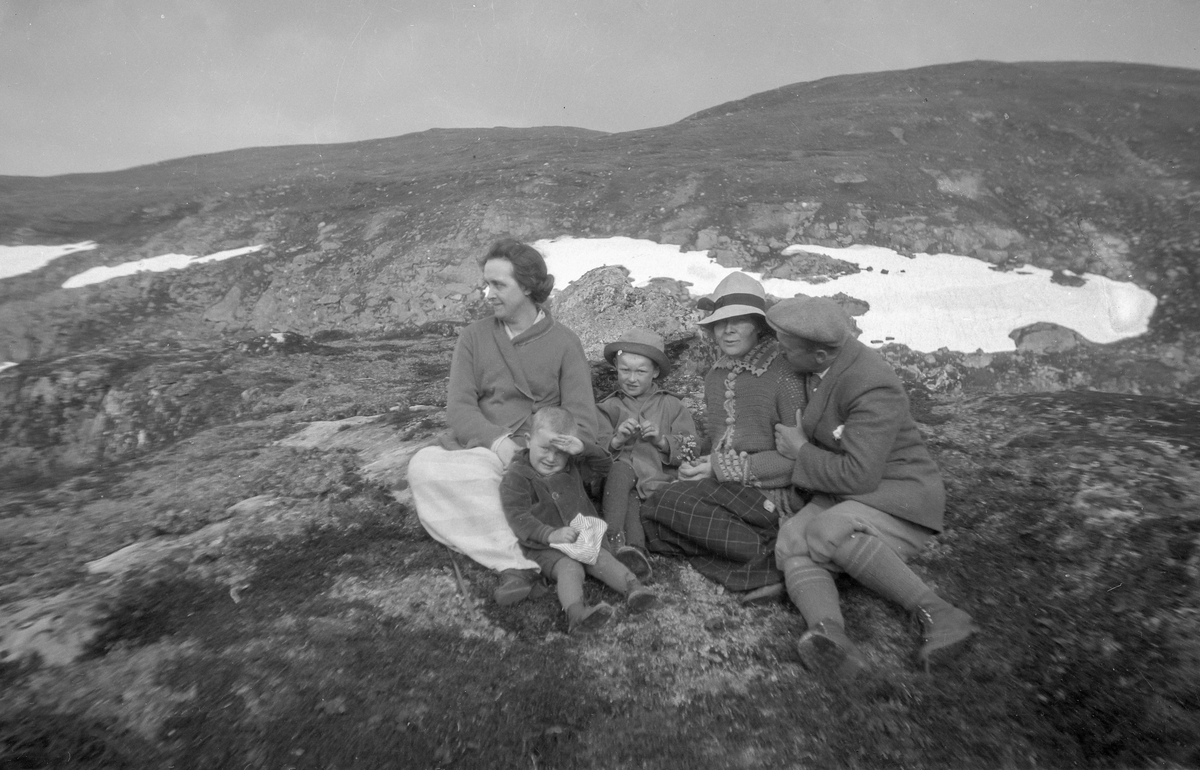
331, 632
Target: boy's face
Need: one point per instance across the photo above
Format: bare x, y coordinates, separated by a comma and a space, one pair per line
544, 458
635, 374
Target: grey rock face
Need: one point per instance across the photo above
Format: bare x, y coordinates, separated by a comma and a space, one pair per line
604, 303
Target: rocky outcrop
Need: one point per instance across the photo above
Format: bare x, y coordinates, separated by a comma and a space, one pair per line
603, 304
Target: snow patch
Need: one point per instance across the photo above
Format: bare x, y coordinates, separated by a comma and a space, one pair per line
151, 265
927, 302
15, 260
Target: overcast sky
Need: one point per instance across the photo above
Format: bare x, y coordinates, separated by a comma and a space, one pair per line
97, 85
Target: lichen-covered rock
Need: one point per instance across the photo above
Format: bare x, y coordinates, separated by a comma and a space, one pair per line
1043, 337
603, 304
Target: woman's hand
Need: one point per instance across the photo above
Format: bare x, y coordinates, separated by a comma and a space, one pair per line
626, 432
571, 445
694, 471
562, 536
506, 450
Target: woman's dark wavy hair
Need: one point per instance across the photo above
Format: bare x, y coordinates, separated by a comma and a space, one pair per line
529, 267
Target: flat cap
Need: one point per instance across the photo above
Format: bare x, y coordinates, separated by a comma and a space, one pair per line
816, 319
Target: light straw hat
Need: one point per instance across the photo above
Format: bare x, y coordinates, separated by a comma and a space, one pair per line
736, 295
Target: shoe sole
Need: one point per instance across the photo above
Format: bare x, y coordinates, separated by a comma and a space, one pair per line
948, 652
641, 602
770, 594
818, 653
636, 563
592, 622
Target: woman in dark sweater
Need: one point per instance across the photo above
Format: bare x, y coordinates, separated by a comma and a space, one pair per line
724, 512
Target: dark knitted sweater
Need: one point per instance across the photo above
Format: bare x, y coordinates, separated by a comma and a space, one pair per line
744, 400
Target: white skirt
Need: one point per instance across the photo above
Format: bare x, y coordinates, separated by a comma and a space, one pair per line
457, 495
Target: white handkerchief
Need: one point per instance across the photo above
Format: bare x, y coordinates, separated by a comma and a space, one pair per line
586, 547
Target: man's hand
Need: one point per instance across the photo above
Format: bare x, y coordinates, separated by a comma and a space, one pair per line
700, 469
571, 445
789, 439
562, 536
627, 431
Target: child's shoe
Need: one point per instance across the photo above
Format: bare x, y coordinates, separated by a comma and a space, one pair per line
636, 562
638, 598
585, 620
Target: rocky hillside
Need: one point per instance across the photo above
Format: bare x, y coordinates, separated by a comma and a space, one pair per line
208, 557
1087, 167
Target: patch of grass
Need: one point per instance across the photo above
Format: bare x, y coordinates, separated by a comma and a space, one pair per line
38, 738
147, 611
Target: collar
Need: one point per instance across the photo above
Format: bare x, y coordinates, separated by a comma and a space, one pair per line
654, 391
521, 466
540, 326
541, 314
757, 361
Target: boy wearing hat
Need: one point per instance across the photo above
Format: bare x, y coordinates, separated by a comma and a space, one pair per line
879, 495
649, 431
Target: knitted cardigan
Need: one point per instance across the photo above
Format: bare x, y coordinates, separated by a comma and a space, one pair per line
744, 400
496, 384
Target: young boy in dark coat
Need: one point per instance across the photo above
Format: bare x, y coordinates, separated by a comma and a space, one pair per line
542, 494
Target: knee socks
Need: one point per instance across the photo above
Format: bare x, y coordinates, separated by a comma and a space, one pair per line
868, 560
812, 590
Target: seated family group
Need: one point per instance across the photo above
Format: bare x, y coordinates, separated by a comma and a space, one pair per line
811, 466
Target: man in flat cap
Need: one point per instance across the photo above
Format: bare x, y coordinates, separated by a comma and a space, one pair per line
878, 493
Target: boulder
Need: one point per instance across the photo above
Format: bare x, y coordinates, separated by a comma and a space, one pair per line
603, 303
1045, 337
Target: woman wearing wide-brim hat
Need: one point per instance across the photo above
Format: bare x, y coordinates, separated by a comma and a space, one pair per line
724, 512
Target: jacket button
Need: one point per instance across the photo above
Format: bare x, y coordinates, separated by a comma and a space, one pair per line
554, 495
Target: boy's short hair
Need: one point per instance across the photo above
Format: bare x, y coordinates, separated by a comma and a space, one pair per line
555, 419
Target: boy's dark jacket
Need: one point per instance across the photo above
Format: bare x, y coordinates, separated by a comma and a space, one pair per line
536, 505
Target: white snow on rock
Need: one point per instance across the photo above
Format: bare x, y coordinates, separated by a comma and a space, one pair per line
928, 302
152, 265
15, 260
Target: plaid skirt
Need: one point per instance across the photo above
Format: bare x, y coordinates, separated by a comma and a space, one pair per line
726, 530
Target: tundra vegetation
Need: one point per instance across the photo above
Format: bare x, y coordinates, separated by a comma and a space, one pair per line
210, 559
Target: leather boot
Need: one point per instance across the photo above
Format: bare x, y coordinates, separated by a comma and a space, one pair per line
946, 633
638, 598
636, 561
585, 620
515, 585
825, 647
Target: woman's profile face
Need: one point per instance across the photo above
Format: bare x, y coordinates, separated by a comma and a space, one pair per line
736, 336
504, 294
